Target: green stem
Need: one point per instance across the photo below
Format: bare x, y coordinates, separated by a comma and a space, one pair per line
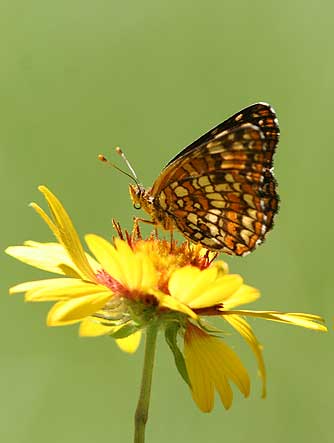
141, 414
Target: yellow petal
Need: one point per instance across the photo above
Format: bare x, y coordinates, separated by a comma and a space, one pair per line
223, 358
135, 271
200, 289
50, 257
150, 275
129, 344
224, 389
244, 329
138, 268
189, 282
217, 292
245, 294
92, 327
210, 362
130, 269
107, 255
53, 227
76, 309
202, 387
181, 282
168, 302
28, 285
67, 234
309, 321
63, 289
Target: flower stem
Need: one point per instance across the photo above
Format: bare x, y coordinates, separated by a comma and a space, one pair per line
141, 414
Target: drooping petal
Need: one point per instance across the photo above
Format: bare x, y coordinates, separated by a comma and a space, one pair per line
309, 321
224, 389
202, 386
244, 329
217, 364
223, 358
76, 309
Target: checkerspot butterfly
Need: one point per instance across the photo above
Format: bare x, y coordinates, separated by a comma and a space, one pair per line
220, 190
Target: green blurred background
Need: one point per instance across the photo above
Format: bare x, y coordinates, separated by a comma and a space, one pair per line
80, 77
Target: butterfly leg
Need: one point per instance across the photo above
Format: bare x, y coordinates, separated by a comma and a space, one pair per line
171, 240
143, 220
136, 229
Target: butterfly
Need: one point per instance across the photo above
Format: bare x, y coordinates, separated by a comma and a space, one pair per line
220, 190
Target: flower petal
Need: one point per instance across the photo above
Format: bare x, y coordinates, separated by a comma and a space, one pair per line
245, 294
92, 327
50, 257
244, 329
63, 289
129, 344
188, 282
202, 386
200, 289
76, 309
217, 292
181, 281
309, 321
66, 233
168, 302
139, 271
107, 255
132, 270
28, 285
210, 362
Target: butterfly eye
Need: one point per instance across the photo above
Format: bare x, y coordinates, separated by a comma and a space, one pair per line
137, 205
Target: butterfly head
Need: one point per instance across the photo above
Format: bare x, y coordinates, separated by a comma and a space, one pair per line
141, 198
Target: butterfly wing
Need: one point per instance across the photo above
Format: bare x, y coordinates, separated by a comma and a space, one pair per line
261, 115
221, 192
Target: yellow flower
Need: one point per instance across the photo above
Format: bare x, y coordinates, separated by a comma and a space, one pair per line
128, 283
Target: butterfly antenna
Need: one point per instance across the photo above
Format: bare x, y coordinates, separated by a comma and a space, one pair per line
128, 164
133, 177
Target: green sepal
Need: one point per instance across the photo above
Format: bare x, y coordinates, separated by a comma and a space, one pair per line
207, 327
171, 339
125, 331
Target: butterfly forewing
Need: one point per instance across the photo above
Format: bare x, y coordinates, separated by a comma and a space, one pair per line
220, 191
261, 115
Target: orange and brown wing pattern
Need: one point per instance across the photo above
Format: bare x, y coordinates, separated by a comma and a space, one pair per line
221, 192
261, 115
